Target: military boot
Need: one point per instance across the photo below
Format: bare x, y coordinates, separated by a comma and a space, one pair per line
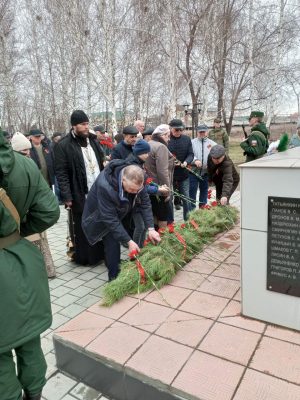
28, 397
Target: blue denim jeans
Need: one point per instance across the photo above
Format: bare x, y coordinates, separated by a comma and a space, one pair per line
183, 187
202, 184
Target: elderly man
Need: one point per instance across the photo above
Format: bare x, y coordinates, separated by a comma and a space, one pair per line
222, 172
117, 191
256, 144
219, 135
147, 134
41, 154
201, 148
78, 161
140, 126
180, 146
122, 150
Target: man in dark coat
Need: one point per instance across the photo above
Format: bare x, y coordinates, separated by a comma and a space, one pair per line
117, 191
124, 148
222, 172
78, 162
27, 207
41, 154
180, 145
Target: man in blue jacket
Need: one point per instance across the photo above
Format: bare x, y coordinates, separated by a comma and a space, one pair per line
124, 148
117, 191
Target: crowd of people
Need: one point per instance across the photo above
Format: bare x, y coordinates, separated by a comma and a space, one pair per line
117, 191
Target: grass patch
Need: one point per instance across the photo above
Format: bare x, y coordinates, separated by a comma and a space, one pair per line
236, 152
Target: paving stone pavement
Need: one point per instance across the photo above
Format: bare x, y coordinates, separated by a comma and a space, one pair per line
74, 289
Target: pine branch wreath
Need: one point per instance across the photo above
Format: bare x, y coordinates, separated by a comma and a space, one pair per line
179, 244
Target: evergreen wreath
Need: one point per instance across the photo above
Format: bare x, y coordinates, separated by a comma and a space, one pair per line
156, 265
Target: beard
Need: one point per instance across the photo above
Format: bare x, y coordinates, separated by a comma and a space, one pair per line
83, 134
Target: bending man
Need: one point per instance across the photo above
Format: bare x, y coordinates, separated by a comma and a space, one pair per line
117, 191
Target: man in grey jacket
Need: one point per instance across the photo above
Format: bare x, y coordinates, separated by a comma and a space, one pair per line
201, 148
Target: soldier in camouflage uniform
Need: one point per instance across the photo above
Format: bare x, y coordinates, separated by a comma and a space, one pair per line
256, 144
219, 135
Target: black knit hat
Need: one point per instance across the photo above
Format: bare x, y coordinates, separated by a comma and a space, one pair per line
99, 128
78, 117
130, 130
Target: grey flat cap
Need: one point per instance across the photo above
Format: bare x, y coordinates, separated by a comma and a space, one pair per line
217, 151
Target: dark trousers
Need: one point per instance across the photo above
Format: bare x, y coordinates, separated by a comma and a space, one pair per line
183, 187
112, 255
112, 249
85, 253
140, 232
31, 371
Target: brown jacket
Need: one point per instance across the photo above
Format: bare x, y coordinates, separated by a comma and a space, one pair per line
160, 164
224, 174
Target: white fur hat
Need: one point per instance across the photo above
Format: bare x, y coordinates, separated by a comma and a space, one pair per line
19, 142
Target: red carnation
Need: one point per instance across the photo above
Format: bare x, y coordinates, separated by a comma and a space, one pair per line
182, 226
171, 228
146, 241
132, 255
149, 180
214, 203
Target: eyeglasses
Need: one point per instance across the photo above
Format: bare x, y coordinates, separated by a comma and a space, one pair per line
179, 129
